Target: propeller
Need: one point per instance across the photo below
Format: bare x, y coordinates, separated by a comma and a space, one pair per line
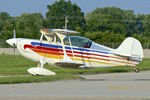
13, 41
14, 37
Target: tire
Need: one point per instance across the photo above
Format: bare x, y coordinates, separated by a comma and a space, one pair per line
136, 70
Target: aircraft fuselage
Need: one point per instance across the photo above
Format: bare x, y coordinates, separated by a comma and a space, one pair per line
53, 53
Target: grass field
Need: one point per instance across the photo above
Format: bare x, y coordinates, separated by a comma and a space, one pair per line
13, 69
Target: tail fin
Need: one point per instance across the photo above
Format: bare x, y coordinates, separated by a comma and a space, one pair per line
130, 47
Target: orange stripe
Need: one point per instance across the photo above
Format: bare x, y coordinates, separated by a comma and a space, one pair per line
60, 54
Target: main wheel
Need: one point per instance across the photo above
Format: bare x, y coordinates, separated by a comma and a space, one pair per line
136, 70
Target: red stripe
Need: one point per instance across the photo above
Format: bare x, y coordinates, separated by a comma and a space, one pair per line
69, 51
47, 52
60, 52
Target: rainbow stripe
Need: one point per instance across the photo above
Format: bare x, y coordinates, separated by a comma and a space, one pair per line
80, 54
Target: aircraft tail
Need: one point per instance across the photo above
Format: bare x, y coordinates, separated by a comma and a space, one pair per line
130, 47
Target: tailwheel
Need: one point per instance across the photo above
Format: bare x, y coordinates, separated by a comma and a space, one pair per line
136, 70
39, 70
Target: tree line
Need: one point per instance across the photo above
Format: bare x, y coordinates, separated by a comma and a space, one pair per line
102, 25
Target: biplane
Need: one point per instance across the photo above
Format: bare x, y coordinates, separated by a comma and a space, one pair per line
58, 47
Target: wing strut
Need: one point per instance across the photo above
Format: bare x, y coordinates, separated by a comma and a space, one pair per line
66, 58
71, 49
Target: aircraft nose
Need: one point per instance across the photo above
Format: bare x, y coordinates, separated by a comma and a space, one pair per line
12, 41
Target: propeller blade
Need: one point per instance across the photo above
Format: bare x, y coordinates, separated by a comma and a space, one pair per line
14, 46
14, 35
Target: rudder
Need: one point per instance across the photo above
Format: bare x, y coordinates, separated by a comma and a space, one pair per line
130, 47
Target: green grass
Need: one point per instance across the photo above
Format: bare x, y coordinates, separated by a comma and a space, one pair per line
13, 69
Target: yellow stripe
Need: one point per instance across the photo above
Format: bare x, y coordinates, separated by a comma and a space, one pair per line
51, 56
76, 58
83, 59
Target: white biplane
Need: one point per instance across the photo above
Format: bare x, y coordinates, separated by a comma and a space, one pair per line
56, 46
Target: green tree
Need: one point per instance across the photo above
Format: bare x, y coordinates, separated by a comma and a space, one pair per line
146, 25
139, 28
55, 17
28, 25
106, 19
115, 20
130, 22
8, 27
3, 17
106, 38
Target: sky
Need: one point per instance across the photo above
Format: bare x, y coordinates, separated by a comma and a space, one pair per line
17, 7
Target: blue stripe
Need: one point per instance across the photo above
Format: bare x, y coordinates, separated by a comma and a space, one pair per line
45, 45
66, 47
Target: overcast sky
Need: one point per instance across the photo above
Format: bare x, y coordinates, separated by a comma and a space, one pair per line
17, 7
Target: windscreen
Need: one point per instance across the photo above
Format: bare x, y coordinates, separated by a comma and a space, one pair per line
78, 41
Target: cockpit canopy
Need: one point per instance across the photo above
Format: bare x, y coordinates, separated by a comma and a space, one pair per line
78, 41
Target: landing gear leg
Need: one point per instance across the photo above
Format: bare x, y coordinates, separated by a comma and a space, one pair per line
41, 63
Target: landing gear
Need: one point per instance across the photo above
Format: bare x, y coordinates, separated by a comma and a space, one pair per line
135, 69
39, 70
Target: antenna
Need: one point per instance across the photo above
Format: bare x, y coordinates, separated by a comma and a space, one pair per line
66, 21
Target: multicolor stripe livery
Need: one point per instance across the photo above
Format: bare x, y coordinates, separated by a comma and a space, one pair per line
89, 57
